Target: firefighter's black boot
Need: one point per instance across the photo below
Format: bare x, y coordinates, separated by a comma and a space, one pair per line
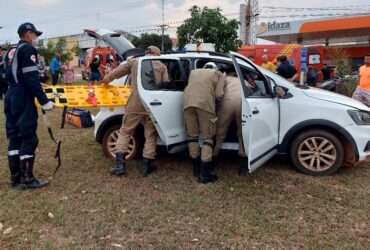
243, 169
28, 181
15, 173
196, 167
205, 173
120, 167
148, 167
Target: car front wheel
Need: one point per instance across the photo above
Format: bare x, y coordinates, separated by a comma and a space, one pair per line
317, 153
110, 143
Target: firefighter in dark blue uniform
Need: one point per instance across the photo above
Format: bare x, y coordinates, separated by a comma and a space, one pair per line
20, 109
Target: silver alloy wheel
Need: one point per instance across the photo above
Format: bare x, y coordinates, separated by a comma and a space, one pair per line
317, 154
112, 144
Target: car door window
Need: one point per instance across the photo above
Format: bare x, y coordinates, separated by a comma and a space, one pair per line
223, 66
256, 84
175, 76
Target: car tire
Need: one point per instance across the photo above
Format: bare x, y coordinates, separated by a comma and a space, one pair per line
317, 153
110, 137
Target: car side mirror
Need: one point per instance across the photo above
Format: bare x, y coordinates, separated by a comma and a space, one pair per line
282, 93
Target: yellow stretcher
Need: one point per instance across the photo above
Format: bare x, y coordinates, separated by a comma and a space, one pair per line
85, 96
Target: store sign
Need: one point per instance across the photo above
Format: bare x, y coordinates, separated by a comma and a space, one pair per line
278, 26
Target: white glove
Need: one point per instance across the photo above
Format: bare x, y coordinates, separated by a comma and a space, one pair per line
48, 106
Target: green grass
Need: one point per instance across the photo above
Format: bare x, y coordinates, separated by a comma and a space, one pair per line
275, 208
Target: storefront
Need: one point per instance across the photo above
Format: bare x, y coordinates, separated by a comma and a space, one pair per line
349, 34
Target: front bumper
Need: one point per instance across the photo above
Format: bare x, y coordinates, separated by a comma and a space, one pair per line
361, 136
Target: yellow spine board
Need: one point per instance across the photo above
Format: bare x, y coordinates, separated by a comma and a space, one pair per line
76, 96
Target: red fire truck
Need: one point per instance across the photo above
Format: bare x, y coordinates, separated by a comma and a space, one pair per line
304, 57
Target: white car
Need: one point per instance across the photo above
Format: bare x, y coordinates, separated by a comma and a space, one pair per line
320, 130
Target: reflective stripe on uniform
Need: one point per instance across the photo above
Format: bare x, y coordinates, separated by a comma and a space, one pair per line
25, 157
15, 63
30, 69
13, 152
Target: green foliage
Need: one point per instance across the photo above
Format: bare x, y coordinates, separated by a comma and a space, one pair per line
347, 87
342, 62
77, 51
52, 49
146, 39
209, 26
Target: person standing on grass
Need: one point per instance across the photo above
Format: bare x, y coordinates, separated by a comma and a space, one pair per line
266, 64
229, 111
55, 69
68, 73
3, 83
22, 73
205, 86
286, 69
362, 92
136, 114
95, 69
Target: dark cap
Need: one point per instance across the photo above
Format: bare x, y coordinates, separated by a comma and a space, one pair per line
23, 28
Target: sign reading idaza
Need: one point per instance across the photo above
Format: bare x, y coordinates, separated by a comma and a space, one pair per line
278, 26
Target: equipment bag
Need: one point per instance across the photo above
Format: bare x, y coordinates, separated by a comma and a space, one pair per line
79, 118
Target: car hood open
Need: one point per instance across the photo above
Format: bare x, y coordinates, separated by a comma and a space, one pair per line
335, 98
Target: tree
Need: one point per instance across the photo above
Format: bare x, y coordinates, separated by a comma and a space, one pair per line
146, 39
77, 51
209, 26
58, 48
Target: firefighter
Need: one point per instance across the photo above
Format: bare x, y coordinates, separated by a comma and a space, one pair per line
135, 114
229, 110
205, 86
20, 109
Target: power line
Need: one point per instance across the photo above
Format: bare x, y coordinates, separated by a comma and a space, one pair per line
344, 8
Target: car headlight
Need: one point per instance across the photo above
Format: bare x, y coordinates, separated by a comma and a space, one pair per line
360, 117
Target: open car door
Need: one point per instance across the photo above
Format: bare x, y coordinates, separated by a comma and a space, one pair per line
164, 100
260, 113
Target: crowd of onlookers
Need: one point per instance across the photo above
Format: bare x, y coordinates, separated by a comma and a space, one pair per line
315, 77
65, 73
283, 67
57, 72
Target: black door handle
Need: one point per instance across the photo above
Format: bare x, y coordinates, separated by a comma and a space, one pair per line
155, 103
255, 111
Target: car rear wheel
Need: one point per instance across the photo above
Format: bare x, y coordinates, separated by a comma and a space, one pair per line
317, 153
110, 143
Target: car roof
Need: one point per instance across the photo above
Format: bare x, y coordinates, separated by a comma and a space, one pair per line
193, 54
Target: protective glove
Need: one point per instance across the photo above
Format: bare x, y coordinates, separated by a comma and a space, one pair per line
48, 106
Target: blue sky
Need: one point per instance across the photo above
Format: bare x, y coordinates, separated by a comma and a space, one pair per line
61, 17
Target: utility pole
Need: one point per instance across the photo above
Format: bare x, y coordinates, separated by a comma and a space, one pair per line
163, 26
249, 21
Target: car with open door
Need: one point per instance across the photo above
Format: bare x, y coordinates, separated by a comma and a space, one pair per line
320, 130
